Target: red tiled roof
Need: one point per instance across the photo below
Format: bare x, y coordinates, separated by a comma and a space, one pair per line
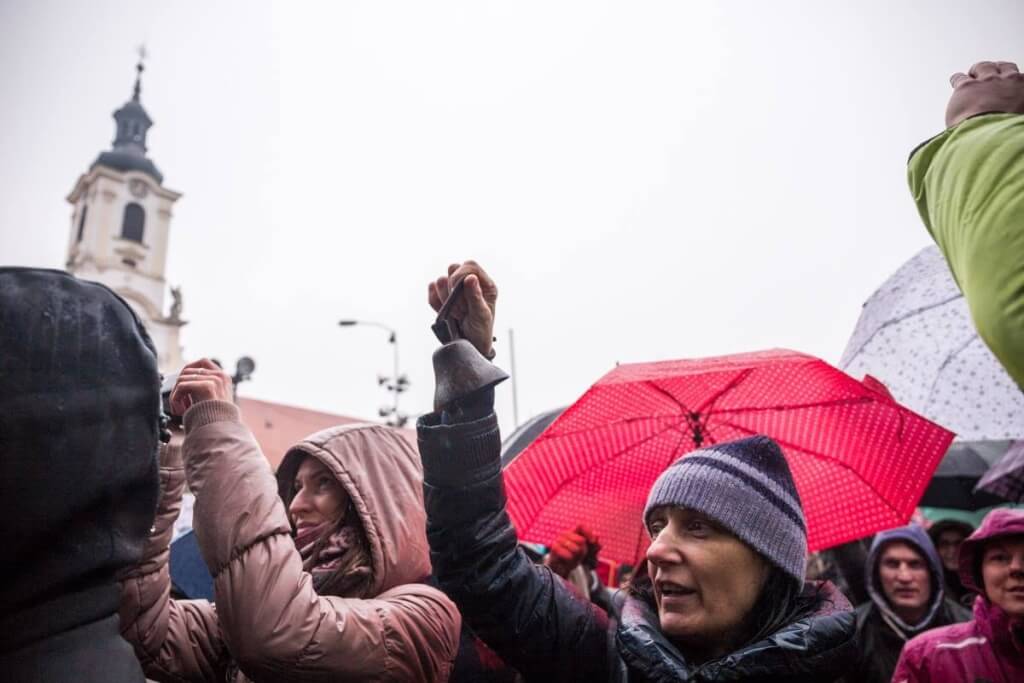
278, 427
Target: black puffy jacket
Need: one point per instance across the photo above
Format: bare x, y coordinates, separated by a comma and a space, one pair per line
79, 427
540, 627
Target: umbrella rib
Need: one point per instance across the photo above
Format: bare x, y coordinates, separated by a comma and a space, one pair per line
643, 526
628, 420
607, 425
610, 459
820, 456
667, 394
798, 406
735, 382
947, 361
910, 314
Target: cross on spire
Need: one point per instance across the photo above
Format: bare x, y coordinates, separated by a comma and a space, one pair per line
139, 68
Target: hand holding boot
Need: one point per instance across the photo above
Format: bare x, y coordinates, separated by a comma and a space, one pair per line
474, 311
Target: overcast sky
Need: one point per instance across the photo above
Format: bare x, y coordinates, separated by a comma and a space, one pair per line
644, 180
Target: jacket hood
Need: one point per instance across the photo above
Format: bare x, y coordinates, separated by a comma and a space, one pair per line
937, 529
999, 522
818, 647
918, 538
79, 430
382, 474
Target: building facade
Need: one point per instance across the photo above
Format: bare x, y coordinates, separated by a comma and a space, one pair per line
120, 232
120, 229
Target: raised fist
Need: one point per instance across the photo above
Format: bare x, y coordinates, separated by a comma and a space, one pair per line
988, 87
200, 380
475, 309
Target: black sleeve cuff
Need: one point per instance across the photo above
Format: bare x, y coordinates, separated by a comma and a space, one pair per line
459, 454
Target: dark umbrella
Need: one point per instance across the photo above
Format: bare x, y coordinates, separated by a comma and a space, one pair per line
952, 485
1006, 478
525, 434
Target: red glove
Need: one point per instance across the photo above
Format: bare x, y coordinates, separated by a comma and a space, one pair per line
569, 550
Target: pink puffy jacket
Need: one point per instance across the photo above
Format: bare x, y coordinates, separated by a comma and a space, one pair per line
268, 623
989, 648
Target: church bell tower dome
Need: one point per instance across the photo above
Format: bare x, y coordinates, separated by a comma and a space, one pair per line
120, 228
129, 148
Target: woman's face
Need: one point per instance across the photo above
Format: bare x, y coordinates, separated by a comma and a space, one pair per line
706, 580
318, 496
948, 545
1002, 570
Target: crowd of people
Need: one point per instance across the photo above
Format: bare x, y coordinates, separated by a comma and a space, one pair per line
366, 557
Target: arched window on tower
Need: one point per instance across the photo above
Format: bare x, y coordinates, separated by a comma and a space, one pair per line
134, 223
81, 222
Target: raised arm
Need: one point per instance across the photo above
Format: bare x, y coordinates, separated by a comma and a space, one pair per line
175, 640
273, 621
521, 610
968, 183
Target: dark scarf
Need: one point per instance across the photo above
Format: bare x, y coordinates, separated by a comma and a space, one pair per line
336, 557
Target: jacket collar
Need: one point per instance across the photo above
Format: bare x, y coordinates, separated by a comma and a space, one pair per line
999, 628
823, 640
644, 647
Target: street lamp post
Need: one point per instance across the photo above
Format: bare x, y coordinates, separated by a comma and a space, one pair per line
396, 384
244, 367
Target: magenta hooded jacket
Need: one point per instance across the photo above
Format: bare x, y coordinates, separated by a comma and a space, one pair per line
988, 648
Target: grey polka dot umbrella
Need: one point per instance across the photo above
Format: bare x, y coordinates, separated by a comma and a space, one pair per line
915, 334
1006, 478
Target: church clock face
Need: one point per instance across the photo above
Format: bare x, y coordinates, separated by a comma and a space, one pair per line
138, 188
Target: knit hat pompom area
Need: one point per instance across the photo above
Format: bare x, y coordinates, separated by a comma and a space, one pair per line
745, 486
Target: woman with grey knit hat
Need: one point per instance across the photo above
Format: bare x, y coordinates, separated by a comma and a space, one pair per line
720, 597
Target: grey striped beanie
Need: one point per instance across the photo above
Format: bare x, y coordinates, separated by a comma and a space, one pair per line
745, 486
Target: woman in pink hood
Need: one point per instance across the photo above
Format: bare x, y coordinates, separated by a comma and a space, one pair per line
991, 646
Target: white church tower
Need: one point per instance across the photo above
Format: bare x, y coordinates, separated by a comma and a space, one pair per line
120, 226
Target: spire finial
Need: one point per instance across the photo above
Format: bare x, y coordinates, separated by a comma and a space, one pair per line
139, 68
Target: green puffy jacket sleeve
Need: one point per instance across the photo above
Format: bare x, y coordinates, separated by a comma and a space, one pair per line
968, 184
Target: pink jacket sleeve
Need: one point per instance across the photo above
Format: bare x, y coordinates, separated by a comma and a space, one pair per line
910, 667
175, 640
273, 621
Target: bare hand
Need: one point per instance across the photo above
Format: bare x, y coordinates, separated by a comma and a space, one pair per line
200, 380
475, 310
988, 87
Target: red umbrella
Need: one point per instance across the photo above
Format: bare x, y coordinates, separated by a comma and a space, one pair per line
860, 460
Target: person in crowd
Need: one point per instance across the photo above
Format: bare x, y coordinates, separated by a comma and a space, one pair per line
904, 580
317, 574
990, 647
722, 593
843, 566
968, 183
80, 422
573, 556
947, 535
570, 550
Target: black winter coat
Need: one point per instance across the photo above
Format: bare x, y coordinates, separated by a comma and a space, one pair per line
540, 627
79, 428
880, 646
